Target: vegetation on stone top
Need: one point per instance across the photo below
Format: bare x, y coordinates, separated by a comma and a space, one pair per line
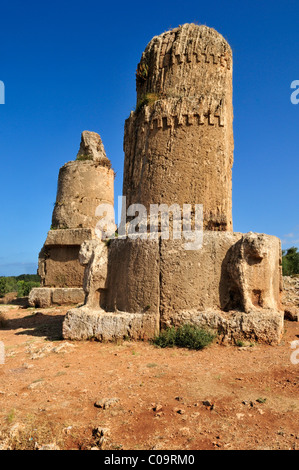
83, 157
147, 100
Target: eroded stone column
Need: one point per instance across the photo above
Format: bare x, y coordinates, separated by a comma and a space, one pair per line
179, 140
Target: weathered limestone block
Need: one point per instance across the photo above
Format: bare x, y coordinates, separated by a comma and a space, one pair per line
254, 269
43, 297
179, 141
94, 256
266, 327
194, 279
128, 303
69, 237
58, 260
92, 148
40, 297
68, 296
61, 267
290, 298
133, 283
85, 323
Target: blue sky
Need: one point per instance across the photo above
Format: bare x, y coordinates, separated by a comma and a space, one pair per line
69, 66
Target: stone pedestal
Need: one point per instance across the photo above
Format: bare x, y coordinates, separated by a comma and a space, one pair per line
152, 284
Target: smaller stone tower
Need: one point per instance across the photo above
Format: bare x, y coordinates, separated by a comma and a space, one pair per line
83, 184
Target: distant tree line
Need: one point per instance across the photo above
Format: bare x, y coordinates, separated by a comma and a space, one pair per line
290, 261
21, 284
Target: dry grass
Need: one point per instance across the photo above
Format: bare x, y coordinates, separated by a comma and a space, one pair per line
147, 100
30, 434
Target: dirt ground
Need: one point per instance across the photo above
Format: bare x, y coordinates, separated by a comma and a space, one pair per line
223, 397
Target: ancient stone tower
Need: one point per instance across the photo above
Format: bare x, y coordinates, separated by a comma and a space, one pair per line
83, 184
179, 150
179, 141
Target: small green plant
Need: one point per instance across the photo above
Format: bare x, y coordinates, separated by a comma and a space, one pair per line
82, 157
147, 100
11, 416
239, 343
186, 336
261, 400
142, 72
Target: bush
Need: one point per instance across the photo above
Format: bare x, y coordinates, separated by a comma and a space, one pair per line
24, 287
147, 100
21, 284
290, 261
186, 336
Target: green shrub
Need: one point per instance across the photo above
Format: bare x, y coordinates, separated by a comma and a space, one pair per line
147, 100
186, 336
166, 338
21, 284
290, 261
24, 287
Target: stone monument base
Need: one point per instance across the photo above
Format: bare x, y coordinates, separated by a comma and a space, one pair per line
136, 288
85, 324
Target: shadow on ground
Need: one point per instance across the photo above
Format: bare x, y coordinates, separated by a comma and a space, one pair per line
37, 324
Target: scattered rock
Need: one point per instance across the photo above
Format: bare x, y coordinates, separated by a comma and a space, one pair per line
35, 385
180, 411
47, 447
101, 432
291, 313
44, 351
157, 407
208, 404
185, 432
106, 403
